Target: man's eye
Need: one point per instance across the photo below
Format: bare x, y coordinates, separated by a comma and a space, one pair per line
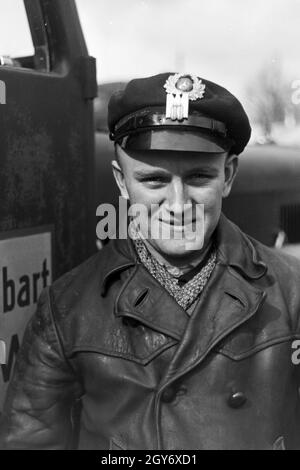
199, 176
154, 180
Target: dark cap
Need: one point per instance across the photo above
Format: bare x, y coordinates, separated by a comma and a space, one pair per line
178, 112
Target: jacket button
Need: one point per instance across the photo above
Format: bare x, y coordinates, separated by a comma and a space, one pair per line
237, 399
169, 395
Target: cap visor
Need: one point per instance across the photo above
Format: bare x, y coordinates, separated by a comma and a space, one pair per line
175, 140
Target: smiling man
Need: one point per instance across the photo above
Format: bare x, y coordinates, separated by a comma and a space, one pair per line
181, 336
177, 186
176, 233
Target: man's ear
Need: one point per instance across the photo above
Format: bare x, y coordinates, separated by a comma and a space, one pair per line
119, 178
231, 170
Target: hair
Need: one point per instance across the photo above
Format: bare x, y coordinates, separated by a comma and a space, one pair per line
117, 156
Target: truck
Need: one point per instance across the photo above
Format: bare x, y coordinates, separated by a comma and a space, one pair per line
47, 165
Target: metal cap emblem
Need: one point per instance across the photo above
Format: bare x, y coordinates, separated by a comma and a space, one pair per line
180, 89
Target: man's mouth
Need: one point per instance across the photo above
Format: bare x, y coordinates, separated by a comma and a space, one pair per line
177, 226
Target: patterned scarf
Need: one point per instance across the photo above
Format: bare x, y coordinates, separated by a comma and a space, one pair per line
185, 295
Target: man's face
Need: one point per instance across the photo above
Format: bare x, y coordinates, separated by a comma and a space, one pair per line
170, 182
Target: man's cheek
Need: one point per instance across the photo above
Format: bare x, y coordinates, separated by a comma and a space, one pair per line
211, 206
212, 211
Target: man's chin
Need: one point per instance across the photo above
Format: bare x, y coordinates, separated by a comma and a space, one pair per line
176, 249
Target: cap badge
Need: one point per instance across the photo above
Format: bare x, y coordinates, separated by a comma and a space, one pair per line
180, 90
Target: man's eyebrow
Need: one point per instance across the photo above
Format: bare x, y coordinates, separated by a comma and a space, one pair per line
203, 169
150, 172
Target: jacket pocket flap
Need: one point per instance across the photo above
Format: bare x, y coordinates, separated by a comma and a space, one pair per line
237, 350
141, 345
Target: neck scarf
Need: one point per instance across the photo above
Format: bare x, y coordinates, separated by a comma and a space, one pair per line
186, 295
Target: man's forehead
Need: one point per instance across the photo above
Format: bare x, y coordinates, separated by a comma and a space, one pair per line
171, 160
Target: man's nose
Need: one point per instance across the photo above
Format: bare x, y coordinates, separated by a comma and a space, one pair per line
177, 197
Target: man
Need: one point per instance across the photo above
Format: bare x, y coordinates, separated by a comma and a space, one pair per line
179, 342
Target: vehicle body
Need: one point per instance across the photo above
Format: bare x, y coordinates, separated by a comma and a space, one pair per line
47, 150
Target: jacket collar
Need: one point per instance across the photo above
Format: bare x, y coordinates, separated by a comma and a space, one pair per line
235, 298
235, 249
120, 255
141, 296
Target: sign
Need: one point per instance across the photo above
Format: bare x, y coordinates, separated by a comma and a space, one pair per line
25, 270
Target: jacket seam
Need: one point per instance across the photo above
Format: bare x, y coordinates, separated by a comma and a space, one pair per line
59, 341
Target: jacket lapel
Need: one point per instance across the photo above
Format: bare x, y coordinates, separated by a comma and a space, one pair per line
227, 302
230, 299
142, 298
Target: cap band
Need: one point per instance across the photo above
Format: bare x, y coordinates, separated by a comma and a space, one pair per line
156, 117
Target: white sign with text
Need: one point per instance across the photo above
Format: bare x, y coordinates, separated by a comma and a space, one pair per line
25, 270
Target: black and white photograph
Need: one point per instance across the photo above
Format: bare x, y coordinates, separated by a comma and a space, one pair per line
149, 227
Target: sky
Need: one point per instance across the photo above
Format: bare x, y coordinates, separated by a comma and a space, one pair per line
226, 41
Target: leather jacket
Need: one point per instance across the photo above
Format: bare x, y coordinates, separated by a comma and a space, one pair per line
148, 376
